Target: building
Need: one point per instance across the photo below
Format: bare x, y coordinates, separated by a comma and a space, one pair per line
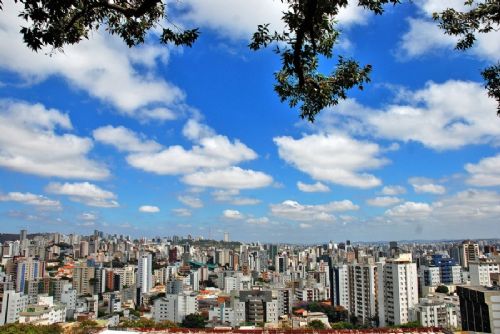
480, 272
226, 236
83, 278
341, 286
145, 272
43, 313
257, 306
397, 290
12, 303
435, 313
28, 269
174, 307
364, 293
479, 308
222, 315
469, 251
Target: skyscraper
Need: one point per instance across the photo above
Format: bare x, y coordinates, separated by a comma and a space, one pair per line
226, 236
145, 272
397, 290
23, 235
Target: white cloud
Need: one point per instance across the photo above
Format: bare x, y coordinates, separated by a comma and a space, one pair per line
191, 201
124, 139
238, 19
469, 206
486, 173
88, 216
424, 36
258, 221
333, 158
304, 225
211, 151
31, 142
182, 212
295, 211
393, 190
111, 77
84, 192
149, 209
383, 201
232, 214
231, 196
29, 199
425, 185
410, 210
229, 178
312, 188
441, 116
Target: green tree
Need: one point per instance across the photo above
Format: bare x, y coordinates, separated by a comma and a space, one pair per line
30, 329
316, 324
483, 17
311, 32
442, 289
194, 321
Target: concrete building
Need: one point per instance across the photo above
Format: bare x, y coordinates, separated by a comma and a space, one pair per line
480, 272
364, 292
28, 269
341, 286
83, 276
174, 307
435, 313
145, 272
258, 306
480, 308
397, 290
469, 251
12, 303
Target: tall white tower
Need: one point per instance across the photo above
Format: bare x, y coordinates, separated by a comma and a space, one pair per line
145, 272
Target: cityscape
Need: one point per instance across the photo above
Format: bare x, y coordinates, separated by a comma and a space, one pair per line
249, 166
121, 283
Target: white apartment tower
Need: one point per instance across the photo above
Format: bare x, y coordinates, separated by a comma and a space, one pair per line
145, 272
365, 291
397, 290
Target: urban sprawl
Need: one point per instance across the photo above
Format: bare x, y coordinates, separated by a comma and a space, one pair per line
115, 282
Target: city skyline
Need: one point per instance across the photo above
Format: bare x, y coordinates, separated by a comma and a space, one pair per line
159, 140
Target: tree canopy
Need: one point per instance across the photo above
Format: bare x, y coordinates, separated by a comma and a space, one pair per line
310, 34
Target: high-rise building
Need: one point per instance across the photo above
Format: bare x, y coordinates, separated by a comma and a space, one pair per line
226, 236
145, 272
397, 290
479, 308
84, 249
28, 269
174, 307
469, 251
23, 235
11, 304
83, 278
365, 291
480, 272
341, 286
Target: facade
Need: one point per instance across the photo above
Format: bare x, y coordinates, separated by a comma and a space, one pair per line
365, 292
341, 286
12, 304
480, 308
145, 272
480, 272
174, 307
469, 251
28, 269
397, 290
83, 276
434, 313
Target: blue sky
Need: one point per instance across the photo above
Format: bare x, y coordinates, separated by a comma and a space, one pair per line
159, 140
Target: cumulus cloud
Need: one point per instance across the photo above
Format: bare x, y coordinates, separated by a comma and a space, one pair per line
231, 196
210, 151
299, 212
424, 36
312, 188
334, 158
149, 209
229, 178
486, 173
232, 214
124, 139
29, 199
35, 140
383, 201
84, 192
139, 93
191, 201
304, 225
87, 217
238, 19
425, 185
441, 116
393, 190
410, 210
